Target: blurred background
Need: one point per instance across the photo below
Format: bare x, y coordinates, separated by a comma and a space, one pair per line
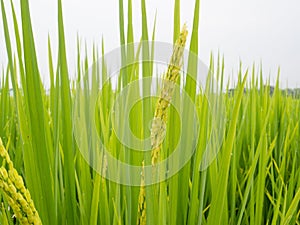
258, 31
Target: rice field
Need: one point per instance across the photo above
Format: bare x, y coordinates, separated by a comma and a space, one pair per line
139, 143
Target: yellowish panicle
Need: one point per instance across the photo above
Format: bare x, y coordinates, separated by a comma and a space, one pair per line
141, 218
158, 128
18, 197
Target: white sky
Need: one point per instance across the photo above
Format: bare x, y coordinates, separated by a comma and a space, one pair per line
266, 31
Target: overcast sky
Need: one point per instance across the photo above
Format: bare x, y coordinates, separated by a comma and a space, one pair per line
252, 31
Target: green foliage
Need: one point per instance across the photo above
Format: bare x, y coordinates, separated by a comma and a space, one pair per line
255, 178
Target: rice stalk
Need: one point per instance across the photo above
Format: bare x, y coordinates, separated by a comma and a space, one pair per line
18, 197
141, 218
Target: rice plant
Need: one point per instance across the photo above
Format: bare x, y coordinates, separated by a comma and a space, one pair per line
239, 151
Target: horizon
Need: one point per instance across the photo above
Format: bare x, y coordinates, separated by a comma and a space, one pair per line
247, 32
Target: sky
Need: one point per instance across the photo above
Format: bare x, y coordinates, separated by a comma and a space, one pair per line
263, 32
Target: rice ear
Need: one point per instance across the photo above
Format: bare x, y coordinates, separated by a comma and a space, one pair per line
158, 129
14, 190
